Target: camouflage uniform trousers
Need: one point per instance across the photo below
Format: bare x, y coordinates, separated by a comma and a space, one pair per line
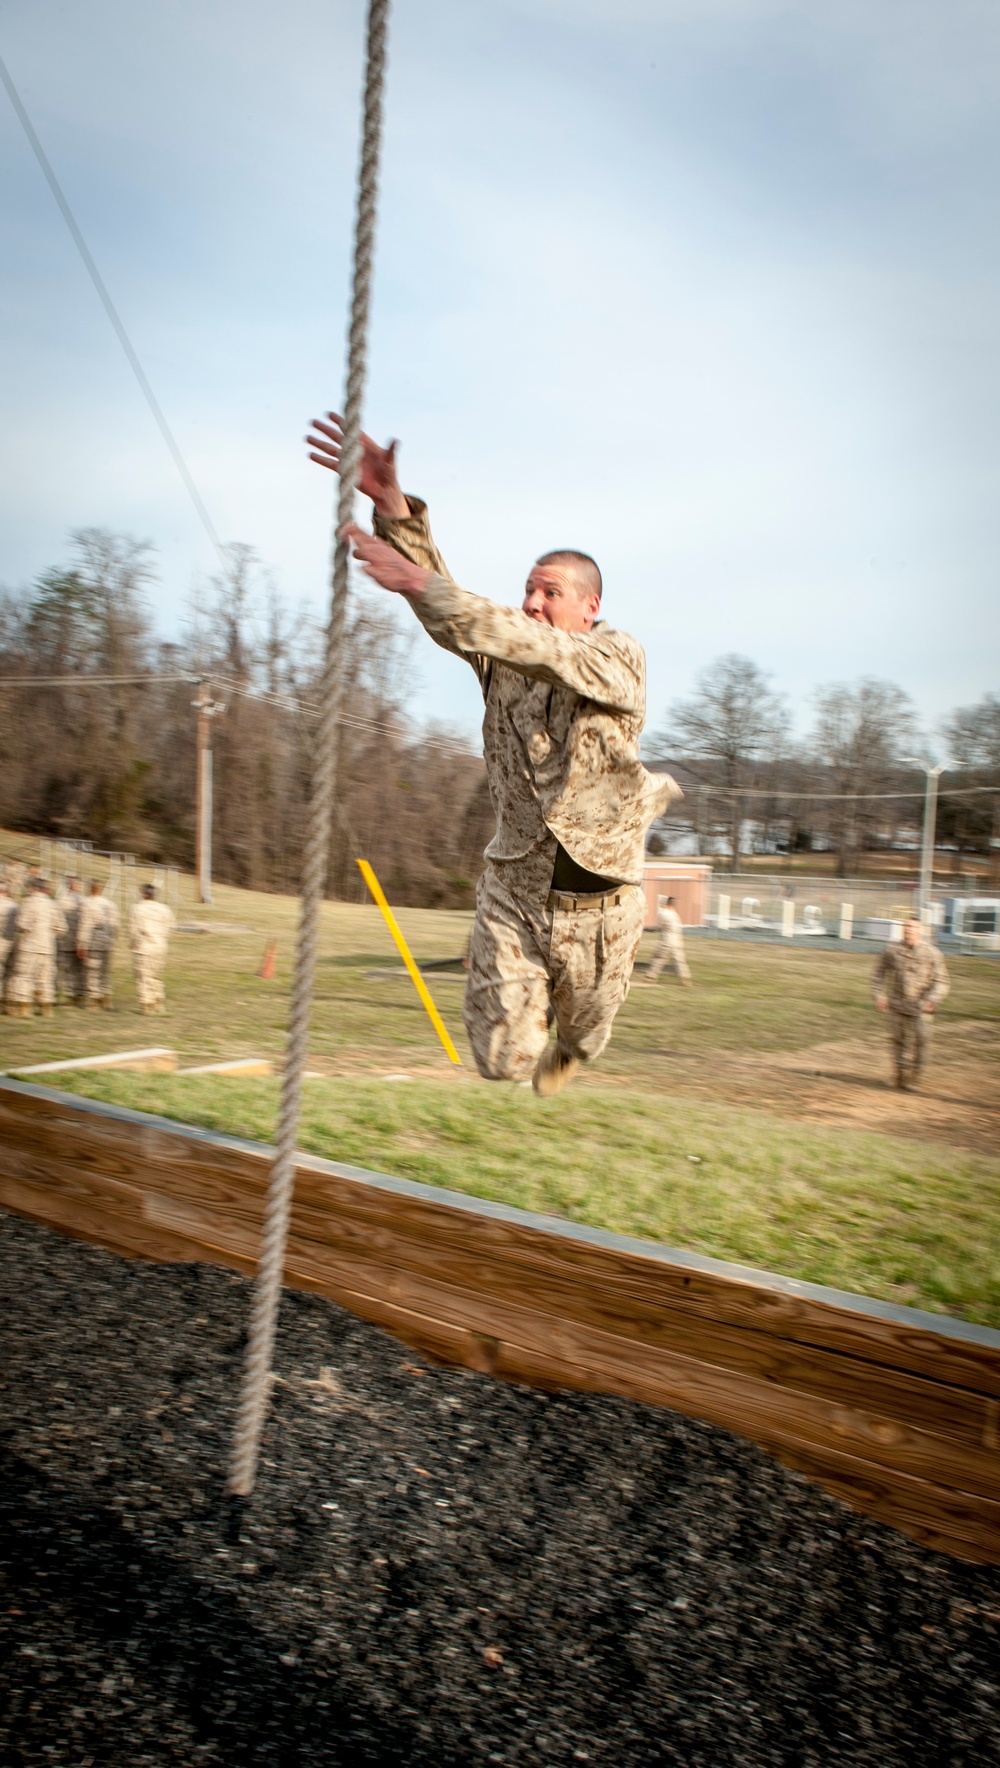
534, 957
911, 1040
32, 975
150, 963
6, 966
71, 973
97, 966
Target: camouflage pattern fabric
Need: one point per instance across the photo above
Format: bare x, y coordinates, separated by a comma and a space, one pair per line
910, 1034
670, 949
8, 934
532, 959
564, 713
72, 980
910, 977
97, 935
149, 927
149, 966
33, 971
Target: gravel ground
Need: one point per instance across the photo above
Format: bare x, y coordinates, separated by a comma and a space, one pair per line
436, 1568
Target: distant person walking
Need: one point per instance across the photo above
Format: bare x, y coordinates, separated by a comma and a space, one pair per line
71, 975
8, 935
97, 936
671, 947
149, 928
33, 972
909, 983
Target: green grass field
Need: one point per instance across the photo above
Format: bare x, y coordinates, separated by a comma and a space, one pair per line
703, 1127
907, 1222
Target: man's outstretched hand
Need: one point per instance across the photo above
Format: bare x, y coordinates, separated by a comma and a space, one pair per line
377, 478
383, 563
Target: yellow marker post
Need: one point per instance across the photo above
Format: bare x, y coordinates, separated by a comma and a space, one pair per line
404, 951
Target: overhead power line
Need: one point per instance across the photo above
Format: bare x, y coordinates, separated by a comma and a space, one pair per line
380, 727
88, 681
112, 313
778, 794
284, 702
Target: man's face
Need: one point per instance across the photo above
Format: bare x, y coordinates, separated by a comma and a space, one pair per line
551, 595
912, 932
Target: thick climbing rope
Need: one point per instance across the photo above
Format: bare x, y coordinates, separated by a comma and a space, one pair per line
256, 1389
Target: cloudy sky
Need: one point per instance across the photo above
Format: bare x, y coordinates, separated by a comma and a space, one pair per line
710, 288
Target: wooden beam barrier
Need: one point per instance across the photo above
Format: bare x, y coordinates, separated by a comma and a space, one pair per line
894, 1411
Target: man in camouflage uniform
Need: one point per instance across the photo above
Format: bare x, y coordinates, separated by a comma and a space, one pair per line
909, 983
559, 908
33, 972
149, 928
97, 936
8, 935
70, 968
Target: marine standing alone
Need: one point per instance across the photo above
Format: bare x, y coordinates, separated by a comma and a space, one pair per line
149, 928
670, 949
909, 983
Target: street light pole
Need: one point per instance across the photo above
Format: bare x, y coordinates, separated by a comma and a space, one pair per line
930, 826
207, 709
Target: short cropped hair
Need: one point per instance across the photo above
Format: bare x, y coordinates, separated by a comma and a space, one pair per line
583, 567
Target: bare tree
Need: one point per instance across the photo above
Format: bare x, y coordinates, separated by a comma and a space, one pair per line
972, 733
861, 736
73, 760
115, 760
731, 727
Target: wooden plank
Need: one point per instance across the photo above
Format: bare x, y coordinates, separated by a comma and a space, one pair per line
113, 1229
951, 1411
751, 1406
203, 1231
550, 1256
220, 1218
153, 1061
633, 1276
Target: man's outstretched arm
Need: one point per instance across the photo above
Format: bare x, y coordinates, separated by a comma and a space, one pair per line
604, 666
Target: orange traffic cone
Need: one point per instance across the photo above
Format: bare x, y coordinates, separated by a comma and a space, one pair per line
267, 963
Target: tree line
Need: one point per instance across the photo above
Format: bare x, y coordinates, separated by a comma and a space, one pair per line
89, 749
854, 783
98, 741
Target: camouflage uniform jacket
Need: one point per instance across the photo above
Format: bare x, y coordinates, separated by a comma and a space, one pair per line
910, 976
71, 905
150, 925
564, 713
8, 922
39, 923
97, 928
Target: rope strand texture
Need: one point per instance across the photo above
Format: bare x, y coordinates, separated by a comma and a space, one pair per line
270, 1268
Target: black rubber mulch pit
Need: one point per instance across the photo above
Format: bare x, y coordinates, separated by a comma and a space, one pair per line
436, 1568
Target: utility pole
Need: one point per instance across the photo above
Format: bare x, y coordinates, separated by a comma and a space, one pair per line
930, 828
207, 709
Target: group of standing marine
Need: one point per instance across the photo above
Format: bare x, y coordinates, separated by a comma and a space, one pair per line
62, 948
